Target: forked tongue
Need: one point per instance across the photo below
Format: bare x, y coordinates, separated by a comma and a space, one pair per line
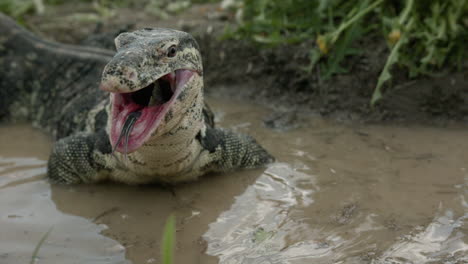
126, 130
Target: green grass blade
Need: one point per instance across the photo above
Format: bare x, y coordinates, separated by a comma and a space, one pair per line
38, 246
168, 243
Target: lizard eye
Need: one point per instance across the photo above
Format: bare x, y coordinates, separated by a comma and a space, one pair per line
171, 52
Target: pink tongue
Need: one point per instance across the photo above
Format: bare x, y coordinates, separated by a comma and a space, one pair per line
129, 133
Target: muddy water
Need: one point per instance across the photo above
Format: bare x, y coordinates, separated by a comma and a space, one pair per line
338, 194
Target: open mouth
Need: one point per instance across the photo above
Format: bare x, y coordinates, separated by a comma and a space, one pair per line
150, 103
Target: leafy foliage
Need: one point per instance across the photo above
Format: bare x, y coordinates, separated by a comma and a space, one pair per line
422, 36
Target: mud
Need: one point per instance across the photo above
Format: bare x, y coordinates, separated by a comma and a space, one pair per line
339, 193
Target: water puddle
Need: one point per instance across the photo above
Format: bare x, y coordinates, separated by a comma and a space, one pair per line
337, 194
27, 212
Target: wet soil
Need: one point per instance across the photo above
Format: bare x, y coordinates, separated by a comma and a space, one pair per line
339, 193
275, 76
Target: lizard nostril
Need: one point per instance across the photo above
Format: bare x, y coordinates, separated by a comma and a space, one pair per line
130, 74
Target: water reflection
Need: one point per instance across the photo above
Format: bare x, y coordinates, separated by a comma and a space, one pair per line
442, 241
258, 228
266, 225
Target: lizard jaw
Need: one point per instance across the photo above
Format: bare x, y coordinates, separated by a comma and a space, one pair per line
123, 104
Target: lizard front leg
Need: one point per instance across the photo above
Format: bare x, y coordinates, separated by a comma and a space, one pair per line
79, 158
228, 151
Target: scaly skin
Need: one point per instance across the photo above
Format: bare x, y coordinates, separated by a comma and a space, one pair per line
56, 87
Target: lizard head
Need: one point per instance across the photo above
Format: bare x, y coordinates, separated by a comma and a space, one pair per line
152, 71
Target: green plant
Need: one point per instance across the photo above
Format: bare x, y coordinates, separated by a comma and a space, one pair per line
38, 246
422, 36
400, 24
168, 241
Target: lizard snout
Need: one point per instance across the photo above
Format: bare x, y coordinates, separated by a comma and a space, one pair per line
119, 79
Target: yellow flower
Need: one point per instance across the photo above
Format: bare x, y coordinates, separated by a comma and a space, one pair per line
322, 44
394, 36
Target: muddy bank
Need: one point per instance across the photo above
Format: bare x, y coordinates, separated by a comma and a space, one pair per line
275, 77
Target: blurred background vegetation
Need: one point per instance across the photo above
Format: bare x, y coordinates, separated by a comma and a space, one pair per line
423, 37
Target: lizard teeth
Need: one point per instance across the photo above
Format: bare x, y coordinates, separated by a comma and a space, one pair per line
152, 101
